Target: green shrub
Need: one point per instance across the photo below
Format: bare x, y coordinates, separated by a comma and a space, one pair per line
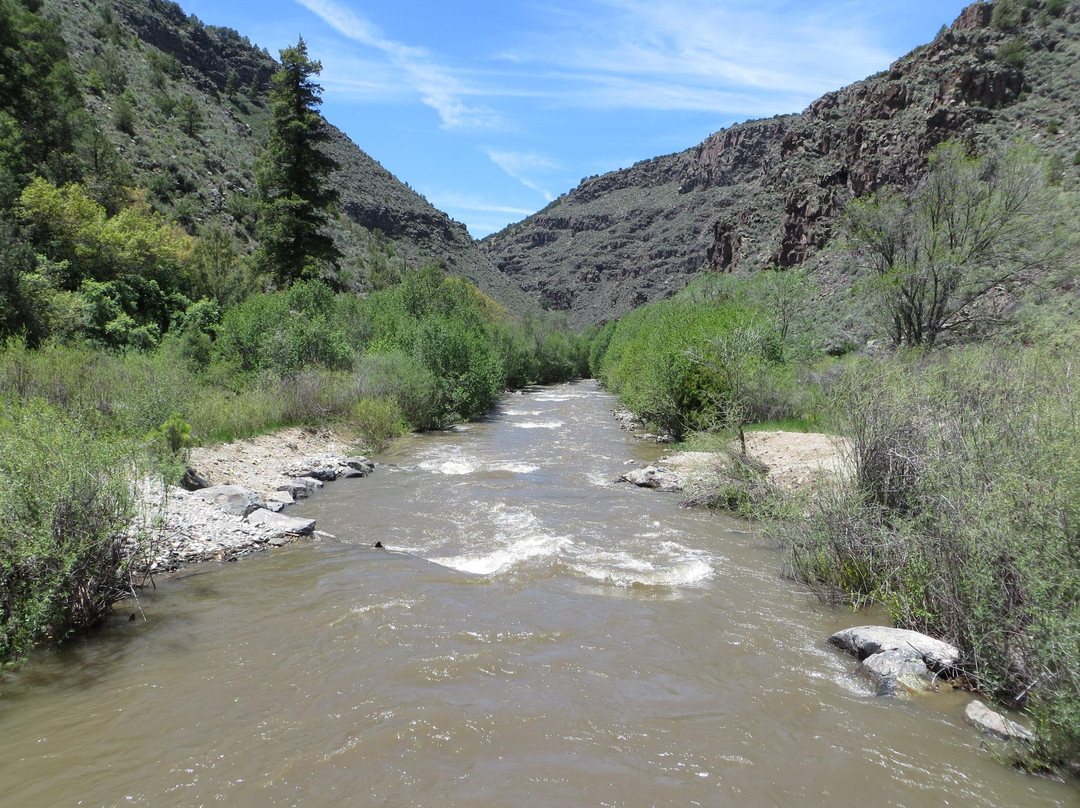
406, 380
962, 518
378, 421
1014, 52
675, 364
64, 508
1007, 14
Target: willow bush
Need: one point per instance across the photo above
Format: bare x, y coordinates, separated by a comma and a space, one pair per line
64, 511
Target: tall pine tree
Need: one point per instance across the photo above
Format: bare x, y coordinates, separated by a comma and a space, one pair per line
295, 200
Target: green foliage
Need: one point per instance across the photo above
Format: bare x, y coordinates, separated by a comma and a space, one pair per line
975, 225
39, 93
124, 112
961, 517
1055, 8
1014, 52
397, 376
659, 360
1007, 14
232, 83
378, 421
292, 174
64, 512
112, 71
174, 433
190, 116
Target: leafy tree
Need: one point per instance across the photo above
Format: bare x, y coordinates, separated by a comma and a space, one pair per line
292, 174
974, 225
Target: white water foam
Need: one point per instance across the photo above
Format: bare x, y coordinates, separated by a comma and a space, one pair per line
524, 540
451, 467
537, 424
462, 464
516, 468
517, 538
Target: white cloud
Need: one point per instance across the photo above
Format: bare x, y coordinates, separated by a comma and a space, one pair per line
452, 199
436, 84
520, 164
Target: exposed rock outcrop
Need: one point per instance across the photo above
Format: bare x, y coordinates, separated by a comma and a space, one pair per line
769, 191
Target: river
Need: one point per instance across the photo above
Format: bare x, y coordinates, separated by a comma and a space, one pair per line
533, 634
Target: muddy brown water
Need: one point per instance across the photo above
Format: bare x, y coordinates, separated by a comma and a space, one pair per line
533, 635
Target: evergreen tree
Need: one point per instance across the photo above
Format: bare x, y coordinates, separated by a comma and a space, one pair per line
295, 201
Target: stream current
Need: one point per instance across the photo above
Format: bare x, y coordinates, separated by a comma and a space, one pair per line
535, 634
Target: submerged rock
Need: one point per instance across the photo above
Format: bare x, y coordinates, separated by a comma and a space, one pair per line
994, 723
896, 672
658, 477
899, 661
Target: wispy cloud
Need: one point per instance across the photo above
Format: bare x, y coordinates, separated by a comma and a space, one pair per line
438, 87
453, 199
701, 55
521, 164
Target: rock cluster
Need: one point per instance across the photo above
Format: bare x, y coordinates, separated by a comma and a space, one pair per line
897, 660
902, 662
221, 522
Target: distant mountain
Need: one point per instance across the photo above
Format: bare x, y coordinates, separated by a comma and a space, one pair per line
767, 192
198, 166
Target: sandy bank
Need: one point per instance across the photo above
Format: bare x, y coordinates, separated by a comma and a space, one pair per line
792, 461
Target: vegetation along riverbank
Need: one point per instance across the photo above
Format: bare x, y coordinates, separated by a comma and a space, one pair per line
190, 254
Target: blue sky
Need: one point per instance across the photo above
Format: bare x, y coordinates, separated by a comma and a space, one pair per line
492, 109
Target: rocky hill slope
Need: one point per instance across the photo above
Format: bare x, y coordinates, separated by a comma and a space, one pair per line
768, 191
197, 159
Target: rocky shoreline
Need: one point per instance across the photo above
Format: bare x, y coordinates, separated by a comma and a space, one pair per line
241, 490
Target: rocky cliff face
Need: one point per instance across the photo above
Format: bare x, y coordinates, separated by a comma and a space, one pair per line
158, 54
768, 192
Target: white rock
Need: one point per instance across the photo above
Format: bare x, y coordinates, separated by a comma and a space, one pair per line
993, 723
864, 641
279, 523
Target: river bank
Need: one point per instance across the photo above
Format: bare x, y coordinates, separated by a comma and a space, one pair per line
788, 461
246, 486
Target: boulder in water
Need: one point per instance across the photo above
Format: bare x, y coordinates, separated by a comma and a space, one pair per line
994, 723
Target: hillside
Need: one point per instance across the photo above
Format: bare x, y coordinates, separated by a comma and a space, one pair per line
153, 55
768, 191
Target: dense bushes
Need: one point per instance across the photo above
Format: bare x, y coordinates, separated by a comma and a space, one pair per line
963, 517
686, 366
63, 511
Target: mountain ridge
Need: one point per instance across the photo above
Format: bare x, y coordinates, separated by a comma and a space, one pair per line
766, 192
206, 178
